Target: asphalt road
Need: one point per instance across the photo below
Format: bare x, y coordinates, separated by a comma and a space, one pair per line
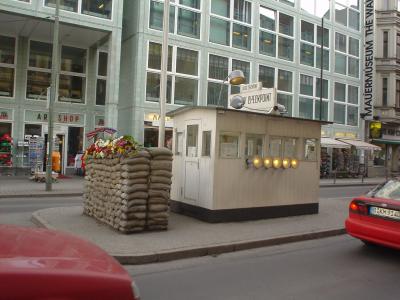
18, 211
331, 268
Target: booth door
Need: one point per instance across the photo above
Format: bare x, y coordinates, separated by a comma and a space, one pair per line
192, 154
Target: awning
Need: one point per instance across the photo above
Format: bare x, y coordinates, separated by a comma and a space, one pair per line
332, 143
384, 141
360, 144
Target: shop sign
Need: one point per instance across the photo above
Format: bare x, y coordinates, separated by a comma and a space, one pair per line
369, 59
155, 120
64, 118
350, 135
6, 114
246, 88
98, 121
391, 133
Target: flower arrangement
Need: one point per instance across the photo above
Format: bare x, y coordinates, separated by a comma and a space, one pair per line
123, 146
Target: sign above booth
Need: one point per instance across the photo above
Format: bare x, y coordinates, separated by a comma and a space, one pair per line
253, 98
63, 118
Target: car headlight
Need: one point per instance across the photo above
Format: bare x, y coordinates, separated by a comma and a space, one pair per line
135, 290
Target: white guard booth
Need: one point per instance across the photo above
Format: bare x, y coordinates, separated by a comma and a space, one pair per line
232, 165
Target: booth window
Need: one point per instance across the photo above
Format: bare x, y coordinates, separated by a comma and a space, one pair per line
191, 140
206, 150
229, 145
179, 143
289, 147
310, 149
254, 145
275, 147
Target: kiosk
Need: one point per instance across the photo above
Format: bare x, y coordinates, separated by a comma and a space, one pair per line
234, 165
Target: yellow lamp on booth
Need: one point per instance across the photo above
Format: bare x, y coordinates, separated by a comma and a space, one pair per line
267, 162
286, 163
294, 163
257, 162
277, 163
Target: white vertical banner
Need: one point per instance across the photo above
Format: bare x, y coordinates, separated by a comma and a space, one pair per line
369, 66
48, 98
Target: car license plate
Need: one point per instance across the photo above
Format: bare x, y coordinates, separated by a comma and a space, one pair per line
384, 212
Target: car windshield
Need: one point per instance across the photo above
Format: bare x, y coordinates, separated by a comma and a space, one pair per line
388, 190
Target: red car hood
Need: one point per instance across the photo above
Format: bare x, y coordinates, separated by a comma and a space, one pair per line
45, 264
37, 248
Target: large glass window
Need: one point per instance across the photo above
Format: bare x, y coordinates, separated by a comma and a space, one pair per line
310, 47
306, 107
267, 76
268, 45
286, 24
285, 48
340, 63
222, 23
97, 8
70, 5
7, 66
347, 60
309, 106
346, 104
319, 8
285, 80
287, 101
101, 85
184, 17
306, 85
182, 82
267, 18
347, 13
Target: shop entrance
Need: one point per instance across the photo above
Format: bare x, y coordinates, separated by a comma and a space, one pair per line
58, 152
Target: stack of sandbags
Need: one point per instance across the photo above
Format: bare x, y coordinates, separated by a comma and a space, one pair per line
159, 188
133, 192
89, 188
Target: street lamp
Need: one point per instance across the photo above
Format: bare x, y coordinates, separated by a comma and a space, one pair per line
236, 77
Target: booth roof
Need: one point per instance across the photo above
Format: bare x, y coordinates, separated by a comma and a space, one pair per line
223, 109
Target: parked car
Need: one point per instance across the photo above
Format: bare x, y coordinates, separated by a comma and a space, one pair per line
375, 217
43, 264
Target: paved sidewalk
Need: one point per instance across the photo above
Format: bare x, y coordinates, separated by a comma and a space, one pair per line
188, 237
13, 186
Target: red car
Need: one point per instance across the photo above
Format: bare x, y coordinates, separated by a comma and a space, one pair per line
375, 218
45, 264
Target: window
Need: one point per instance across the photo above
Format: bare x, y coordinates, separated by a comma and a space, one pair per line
97, 8
206, 150
182, 82
285, 87
72, 80
39, 70
347, 53
191, 140
69, 5
385, 44
346, 102
310, 149
33, 130
184, 17
288, 2
310, 47
289, 147
319, 8
7, 66
397, 93
398, 45
254, 145
310, 101
347, 13
269, 38
101, 86
267, 76
219, 68
275, 147
384, 91
228, 145
231, 28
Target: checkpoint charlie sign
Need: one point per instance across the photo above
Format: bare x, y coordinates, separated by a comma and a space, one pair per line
255, 98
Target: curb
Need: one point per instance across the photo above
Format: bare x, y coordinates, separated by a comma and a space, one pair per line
41, 195
207, 250
328, 185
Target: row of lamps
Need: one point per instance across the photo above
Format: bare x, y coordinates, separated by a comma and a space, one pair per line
269, 162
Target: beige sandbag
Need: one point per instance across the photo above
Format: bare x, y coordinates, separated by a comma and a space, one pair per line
158, 207
161, 165
160, 179
159, 186
156, 215
159, 193
163, 157
135, 195
158, 200
163, 173
127, 181
135, 161
134, 188
140, 174
155, 151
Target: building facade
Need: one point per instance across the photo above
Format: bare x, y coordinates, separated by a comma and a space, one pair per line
88, 81
277, 42
387, 84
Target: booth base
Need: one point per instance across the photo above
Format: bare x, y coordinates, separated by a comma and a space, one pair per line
242, 214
